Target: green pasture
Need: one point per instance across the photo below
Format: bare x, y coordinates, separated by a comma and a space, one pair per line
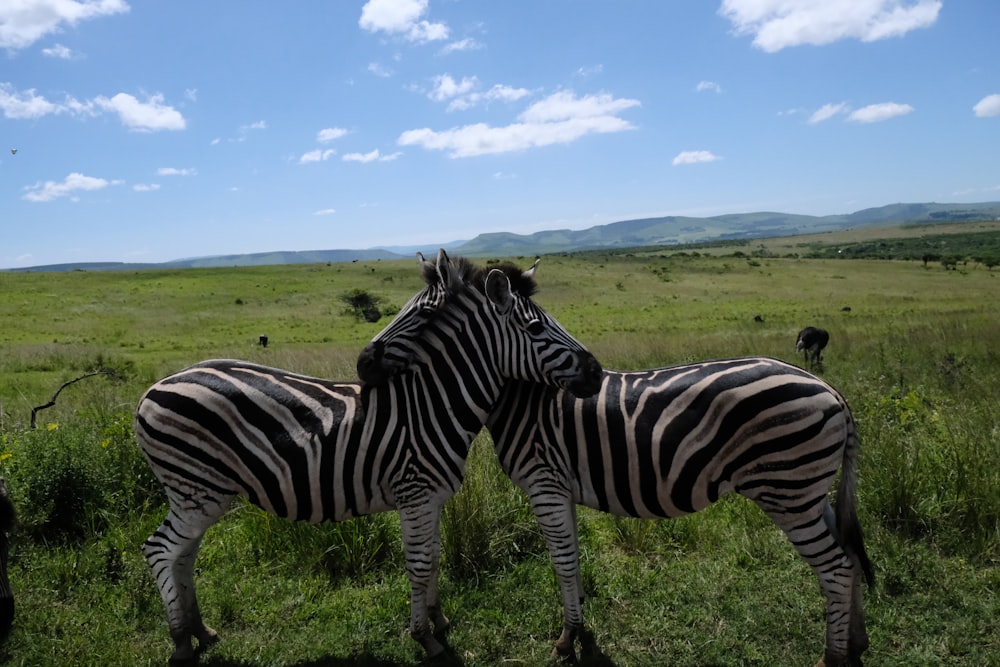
912, 348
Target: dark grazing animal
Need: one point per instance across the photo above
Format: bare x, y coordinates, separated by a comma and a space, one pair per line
313, 450
811, 341
8, 517
672, 441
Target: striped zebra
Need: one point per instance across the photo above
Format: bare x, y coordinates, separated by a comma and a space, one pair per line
671, 441
313, 450
8, 517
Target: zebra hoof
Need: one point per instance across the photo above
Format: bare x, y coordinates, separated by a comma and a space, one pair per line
432, 647
563, 655
207, 637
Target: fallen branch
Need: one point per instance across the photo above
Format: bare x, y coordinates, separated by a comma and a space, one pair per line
52, 401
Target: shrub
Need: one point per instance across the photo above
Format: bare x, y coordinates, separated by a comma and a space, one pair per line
70, 481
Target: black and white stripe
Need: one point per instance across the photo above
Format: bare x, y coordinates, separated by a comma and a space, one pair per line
672, 441
314, 450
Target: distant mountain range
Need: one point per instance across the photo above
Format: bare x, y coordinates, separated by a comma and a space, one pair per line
668, 230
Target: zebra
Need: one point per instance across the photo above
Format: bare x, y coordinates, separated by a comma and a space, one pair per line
8, 518
671, 441
309, 449
811, 341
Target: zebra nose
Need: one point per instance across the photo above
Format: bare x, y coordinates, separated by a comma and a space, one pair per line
370, 368
590, 379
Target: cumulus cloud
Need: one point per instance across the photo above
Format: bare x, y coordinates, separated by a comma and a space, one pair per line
464, 94
778, 24
988, 106
49, 190
26, 104
373, 156
694, 157
318, 155
403, 18
445, 87
709, 86
826, 112
148, 116
558, 119
24, 22
874, 113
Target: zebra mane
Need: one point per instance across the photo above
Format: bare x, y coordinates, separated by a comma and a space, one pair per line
475, 276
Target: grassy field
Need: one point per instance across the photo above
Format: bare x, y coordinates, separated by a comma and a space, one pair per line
914, 356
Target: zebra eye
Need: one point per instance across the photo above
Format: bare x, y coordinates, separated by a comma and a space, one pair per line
535, 327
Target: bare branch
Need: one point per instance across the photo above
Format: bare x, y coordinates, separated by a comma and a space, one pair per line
52, 401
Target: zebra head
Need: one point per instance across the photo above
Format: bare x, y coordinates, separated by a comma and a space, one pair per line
491, 315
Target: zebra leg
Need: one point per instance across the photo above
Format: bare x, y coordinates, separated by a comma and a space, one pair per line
420, 525
556, 516
812, 532
441, 623
171, 552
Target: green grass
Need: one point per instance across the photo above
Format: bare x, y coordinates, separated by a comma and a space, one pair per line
915, 358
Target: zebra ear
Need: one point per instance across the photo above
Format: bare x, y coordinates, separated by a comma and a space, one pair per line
498, 291
530, 273
446, 271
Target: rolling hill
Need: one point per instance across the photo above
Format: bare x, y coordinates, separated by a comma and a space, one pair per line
667, 230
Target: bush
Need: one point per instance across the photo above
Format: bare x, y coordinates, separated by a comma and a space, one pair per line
363, 305
71, 481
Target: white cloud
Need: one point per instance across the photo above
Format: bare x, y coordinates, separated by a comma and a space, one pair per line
694, 157
463, 94
49, 190
318, 155
826, 112
401, 17
446, 87
565, 105
777, 24
373, 156
874, 113
467, 44
329, 134
24, 22
325, 211
26, 104
708, 86
245, 130
146, 187
173, 171
379, 70
988, 106
59, 51
148, 116
558, 119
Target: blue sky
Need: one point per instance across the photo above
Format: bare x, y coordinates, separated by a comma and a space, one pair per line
151, 131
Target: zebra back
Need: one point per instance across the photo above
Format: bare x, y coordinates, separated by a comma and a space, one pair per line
671, 441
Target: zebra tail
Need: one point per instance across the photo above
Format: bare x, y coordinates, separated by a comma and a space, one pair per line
848, 526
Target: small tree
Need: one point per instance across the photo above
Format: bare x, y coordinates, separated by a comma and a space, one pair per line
363, 305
